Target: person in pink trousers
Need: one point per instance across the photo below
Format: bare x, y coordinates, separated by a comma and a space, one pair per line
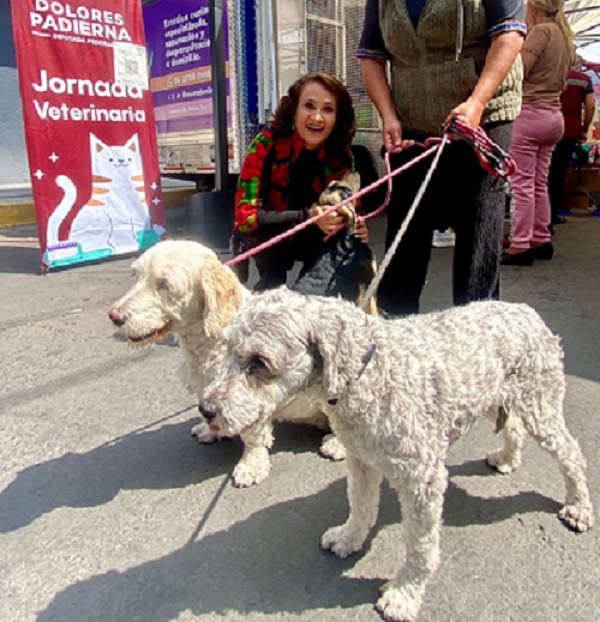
548, 54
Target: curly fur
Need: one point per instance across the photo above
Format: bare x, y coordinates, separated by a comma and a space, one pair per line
183, 288
402, 391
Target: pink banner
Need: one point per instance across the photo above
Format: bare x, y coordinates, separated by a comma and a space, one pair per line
89, 127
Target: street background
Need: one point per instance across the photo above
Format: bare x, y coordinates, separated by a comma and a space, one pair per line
110, 511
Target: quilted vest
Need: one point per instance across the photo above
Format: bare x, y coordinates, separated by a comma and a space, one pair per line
435, 67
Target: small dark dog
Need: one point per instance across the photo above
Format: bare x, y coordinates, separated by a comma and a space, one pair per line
346, 265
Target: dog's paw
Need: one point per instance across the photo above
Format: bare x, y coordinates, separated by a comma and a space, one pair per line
577, 517
342, 541
502, 462
252, 469
332, 448
203, 434
396, 603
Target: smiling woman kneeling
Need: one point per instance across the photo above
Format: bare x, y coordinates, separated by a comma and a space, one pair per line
287, 166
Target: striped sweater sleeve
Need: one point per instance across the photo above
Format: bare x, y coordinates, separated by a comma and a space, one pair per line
247, 197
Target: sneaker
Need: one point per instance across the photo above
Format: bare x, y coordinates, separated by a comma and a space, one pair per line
444, 239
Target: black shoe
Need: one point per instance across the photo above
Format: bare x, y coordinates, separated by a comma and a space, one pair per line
545, 251
518, 259
559, 220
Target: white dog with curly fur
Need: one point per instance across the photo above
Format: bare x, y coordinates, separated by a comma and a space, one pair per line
182, 288
402, 391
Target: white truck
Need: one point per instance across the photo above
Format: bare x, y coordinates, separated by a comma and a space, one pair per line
270, 43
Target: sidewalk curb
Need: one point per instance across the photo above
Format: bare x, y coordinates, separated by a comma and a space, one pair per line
23, 212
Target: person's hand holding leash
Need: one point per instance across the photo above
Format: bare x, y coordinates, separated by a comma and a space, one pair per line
470, 112
392, 135
328, 223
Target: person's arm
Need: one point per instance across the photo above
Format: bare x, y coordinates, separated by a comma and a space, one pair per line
247, 196
502, 54
506, 30
373, 56
249, 213
378, 89
534, 46
590, 108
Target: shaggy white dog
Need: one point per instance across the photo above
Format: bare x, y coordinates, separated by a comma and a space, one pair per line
182, 288
401, 392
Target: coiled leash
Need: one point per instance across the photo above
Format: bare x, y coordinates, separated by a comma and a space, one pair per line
491, 157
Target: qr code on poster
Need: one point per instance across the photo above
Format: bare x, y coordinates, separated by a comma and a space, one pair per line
130, 65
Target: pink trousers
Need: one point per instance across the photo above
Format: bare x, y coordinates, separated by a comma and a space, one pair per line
535, 134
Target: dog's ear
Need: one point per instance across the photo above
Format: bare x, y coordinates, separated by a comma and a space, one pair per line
333, 345
352, 178
223, 296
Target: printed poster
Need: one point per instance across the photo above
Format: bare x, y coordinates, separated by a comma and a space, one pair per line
178, 41
89, 127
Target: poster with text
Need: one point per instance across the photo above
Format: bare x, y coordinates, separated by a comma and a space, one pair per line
178, 40
89, 127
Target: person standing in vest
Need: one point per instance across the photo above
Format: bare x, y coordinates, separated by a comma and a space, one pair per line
578, 107
448, 58
548, 54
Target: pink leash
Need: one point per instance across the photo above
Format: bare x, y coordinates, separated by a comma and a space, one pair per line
491, 157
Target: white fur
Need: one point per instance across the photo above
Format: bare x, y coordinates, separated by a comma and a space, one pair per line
397, 413
183, 288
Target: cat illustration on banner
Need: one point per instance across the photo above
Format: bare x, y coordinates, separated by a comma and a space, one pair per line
114, 220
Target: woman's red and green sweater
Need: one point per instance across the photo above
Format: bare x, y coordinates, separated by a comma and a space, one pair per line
264, 179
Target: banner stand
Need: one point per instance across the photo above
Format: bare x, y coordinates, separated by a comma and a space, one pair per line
89, 128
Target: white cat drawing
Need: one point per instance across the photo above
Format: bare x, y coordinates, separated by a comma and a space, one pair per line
116, 210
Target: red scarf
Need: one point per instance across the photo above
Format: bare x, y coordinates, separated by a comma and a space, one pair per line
266, 171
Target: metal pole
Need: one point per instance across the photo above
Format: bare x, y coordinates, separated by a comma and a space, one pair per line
217, 54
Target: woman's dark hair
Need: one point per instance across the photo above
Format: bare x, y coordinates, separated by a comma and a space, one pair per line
342, 133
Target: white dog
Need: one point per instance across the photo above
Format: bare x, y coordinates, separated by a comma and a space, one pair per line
401, 392
183, 288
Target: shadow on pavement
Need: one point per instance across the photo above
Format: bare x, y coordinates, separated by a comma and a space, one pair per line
165, 458
168, 457
269, 562
19, 259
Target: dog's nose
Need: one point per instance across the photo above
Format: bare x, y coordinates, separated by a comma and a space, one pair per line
208, 411
116, 317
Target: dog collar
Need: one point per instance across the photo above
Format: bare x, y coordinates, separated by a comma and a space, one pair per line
366, 359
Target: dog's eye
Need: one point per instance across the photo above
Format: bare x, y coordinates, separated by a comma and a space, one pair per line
255, 366
162, 284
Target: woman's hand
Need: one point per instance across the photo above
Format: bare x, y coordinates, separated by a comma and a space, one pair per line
328, 223
469, 111
361, 231
392, 135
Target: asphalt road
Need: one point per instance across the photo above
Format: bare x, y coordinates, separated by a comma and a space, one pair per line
110, 511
